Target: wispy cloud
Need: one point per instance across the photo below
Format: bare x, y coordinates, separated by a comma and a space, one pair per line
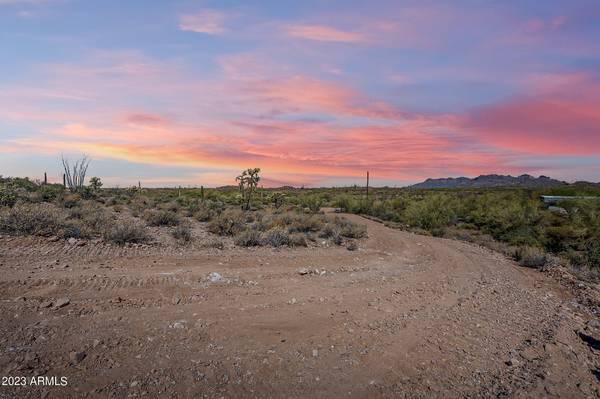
211, 22
323, 33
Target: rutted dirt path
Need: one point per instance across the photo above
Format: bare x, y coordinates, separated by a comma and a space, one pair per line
404, 316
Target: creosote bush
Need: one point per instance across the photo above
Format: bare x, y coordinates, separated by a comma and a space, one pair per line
531, 257
124, 232
230, 222
32, 219
182, 233
161, 218
248, 238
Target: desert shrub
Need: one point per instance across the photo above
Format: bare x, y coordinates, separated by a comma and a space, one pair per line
346, 203
248, 238
203, 214
183, 233
161, 218
297, 240
123, 232
349, 229
531, 257
557, 238
171, 206
228, 223
592, 253
432, 212
32, 219
213, 242
138, 204
51, 192
276, 237
312, 202
337, 239
507, 218
70, 200
329, 230
305, 223
7, 196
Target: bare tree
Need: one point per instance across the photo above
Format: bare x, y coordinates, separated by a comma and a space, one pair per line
75, 174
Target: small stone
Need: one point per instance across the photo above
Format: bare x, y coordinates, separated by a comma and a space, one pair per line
77, 357
215, 277
292, 301
176, 300
62, 302
72, 241
178, 325
512, 362
133, 384
315, 353
303, 271
46, 304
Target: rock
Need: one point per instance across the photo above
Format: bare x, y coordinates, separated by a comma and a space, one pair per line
512, 362
46, 304
72, 241
133, 384
315, 353
176, 300
303, 271
77, 357
53, 239
557, 210
593, 323
62, 302
179, 325
292, 301
95, 343
215, 277
529, 354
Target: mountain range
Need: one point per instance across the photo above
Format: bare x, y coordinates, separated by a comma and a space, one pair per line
483, 181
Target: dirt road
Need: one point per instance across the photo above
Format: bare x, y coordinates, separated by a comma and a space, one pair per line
403, 316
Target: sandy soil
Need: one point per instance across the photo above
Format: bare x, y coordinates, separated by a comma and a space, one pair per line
404, 316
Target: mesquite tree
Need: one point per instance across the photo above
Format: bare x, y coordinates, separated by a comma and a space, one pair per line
248, 181
75, 174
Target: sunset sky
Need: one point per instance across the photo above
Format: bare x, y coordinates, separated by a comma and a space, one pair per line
314, 93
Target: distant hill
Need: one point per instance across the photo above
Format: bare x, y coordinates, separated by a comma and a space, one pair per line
483, 181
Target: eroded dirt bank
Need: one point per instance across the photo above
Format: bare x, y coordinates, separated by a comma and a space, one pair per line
404, 316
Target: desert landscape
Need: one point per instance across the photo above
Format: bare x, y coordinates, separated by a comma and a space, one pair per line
299, 199
201, 293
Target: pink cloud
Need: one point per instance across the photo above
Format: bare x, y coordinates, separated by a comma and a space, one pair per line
323, 34
210, 22
146, 120
301, 94
560, 117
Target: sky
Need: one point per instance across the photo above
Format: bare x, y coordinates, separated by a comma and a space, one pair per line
315, 93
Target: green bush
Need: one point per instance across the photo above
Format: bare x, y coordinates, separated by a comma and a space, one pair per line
7, 196
432, 212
